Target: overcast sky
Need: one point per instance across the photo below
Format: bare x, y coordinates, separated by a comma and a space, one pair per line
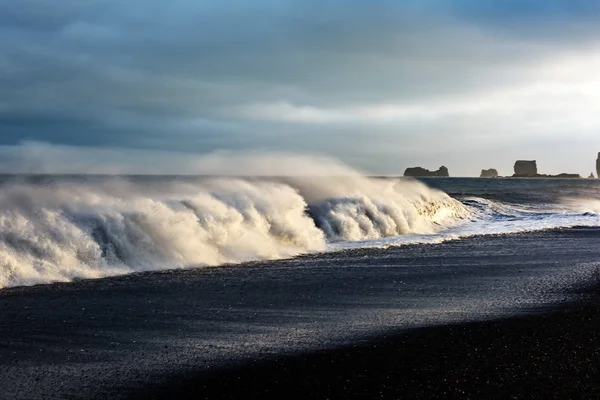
380, 84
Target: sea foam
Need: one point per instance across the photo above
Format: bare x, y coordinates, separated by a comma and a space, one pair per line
85, 228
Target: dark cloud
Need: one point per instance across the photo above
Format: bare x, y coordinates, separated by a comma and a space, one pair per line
550, 23
183, 75
529, 12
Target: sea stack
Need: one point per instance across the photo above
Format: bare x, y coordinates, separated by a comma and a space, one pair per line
598, 166
525, 168
420, 172
489, 173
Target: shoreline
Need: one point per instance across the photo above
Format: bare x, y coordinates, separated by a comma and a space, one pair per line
308, 256
553, 354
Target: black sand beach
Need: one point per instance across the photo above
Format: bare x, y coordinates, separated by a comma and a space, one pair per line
484, 317
555, 355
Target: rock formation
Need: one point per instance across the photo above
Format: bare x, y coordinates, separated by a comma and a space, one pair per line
598, 166
525, 168
489, 173
528, 169
591, 176
419, 172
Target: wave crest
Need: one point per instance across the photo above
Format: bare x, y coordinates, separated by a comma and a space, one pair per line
64, 230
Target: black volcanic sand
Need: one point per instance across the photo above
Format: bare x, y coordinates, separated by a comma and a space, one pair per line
555, 355
340, 325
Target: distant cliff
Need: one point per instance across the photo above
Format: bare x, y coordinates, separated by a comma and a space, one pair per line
528, 169
420, 172
525, 168
563, 175
489, 173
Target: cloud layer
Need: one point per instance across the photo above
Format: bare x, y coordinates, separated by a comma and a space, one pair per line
380, 84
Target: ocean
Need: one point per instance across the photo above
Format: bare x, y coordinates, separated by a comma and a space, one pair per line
204, 274
63, 228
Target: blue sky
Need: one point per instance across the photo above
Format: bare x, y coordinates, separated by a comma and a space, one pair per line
380, 84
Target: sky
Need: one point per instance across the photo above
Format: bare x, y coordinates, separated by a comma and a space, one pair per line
382, 85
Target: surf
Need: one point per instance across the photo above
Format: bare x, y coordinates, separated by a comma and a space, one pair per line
57, 230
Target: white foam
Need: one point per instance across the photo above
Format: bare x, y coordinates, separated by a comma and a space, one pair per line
66, 230
496, 218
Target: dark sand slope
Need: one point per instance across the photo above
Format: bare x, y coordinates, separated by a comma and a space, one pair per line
326, 326
550, 356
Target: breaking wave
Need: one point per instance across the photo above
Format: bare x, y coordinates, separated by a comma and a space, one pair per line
85, 228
